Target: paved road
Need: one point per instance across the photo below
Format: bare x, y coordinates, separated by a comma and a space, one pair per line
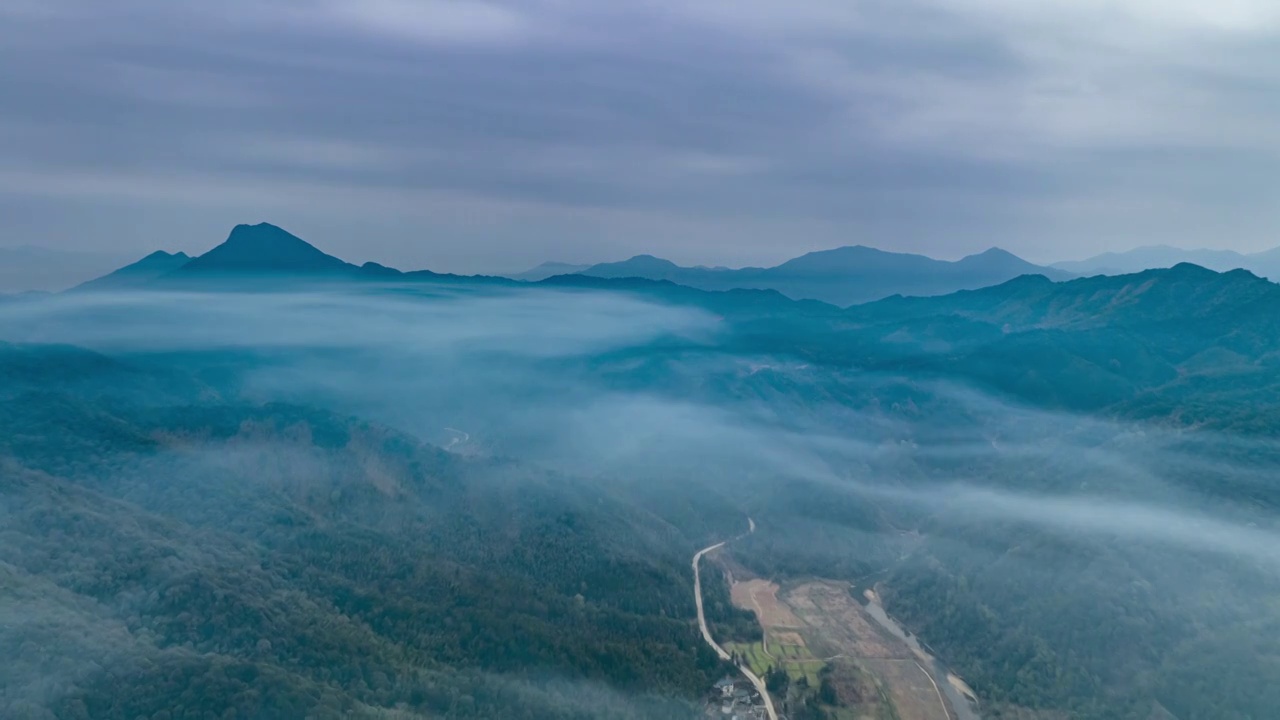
458, 438
706, 633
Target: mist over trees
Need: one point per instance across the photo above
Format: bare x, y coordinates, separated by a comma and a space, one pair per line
423, 500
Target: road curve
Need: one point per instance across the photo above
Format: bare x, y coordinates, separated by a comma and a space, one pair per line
706, 633
459, 437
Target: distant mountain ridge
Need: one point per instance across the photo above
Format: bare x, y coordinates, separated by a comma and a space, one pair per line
546, 270
1080, 344
842, 276
1263, 264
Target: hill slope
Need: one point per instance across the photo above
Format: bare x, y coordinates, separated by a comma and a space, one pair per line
156, 265
1185, 294
169, 543
310, 564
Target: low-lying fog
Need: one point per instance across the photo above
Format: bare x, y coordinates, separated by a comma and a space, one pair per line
845, 472
615, 386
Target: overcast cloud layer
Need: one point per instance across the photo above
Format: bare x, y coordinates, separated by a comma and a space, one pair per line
489, 136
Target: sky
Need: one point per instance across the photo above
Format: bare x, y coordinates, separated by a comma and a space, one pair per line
489, 136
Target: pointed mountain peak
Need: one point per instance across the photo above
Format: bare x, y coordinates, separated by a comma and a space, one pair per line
996, 252
993, 256
998, 261
264, 249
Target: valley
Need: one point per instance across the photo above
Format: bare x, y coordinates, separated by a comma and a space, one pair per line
639, 360
300, 487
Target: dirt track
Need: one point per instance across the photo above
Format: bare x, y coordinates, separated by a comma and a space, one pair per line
762, 597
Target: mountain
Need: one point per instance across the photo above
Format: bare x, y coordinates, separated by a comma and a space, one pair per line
1264, 264
1172, 339
262, 249
842, 276
1047, 482
25, 268
548, 269
1145, 344
996, 261
301, 538
644, 266
1182, 294
1152, 257
249, 251
151, 267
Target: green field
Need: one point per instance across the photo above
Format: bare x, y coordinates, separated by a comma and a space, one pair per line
795, 659
754, 653
809, 669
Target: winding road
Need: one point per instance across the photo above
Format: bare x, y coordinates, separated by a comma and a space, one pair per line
459, 438
706, 633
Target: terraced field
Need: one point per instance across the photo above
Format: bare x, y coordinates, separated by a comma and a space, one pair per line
818, 626
795, 658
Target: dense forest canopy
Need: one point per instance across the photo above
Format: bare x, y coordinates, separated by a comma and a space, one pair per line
435, 499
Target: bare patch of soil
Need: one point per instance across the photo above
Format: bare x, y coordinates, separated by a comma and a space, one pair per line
761, 597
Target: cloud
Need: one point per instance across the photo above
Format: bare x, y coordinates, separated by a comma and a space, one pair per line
731, 132
1177, 528
633, 392
311, 153
1249, 17
419, 322
449, 22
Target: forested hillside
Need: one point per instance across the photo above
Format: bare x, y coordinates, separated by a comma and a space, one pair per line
1067, 489
442, 499
172, 560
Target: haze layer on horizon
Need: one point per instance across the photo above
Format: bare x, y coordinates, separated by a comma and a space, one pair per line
472, 136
